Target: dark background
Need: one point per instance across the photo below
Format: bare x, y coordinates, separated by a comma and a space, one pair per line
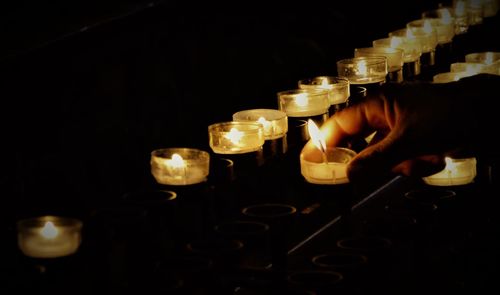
88, 90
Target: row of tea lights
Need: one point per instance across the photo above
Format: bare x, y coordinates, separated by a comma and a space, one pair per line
55, 236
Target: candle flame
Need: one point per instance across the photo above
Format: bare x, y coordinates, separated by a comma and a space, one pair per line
49, 230
450, 165
176, 161
460, 8
234, 135
317, 136
396, 42
489, 58
265, 123
324, 83
427, 26
301, 100
445, 16
409, 35
362, 68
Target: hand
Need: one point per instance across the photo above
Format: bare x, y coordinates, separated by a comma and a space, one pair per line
417, 124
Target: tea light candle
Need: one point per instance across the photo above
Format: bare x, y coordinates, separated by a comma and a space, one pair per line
471, 68
394, 57
274, 122
363, 70
456, 172
412, 49
337, 87
474, 11
49, 236
425, 36
445, 28
331, 167
487, 58
461, 18
448, 77
304, 102
236, 137
490, 7
179, 166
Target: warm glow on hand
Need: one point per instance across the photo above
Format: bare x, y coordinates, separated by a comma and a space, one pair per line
234, 135
49, 231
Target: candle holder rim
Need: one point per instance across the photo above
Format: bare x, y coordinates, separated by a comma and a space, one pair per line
172, 195
347, 151
291, 92
247, 210
254, 127
276, 114
157, 153
371, 60
384, 48
362, 259
338, 82
446, 193
60, 221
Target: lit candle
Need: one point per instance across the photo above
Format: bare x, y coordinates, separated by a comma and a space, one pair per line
363, 70
412, 49
179, 166
274, 122
394, 58
473, 10
487, 58
472, 68
49, 236
337, 87
236, 137
445, 28
425, 36
330, 167
456, 172
461, 18
304, 102
448, 77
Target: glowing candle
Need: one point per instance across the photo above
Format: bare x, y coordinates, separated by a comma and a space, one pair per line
179, 166
442, 20
236, 137
472, 68
363, 70
456, 172
337, 87
304, 102
461, 18
327, 167
412, 49
394, 59
49, 236
274, 122
487, 58
448, 77
425, 37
